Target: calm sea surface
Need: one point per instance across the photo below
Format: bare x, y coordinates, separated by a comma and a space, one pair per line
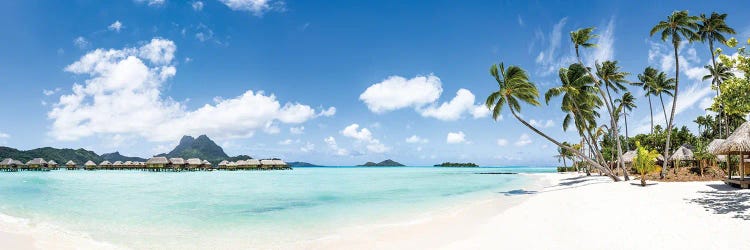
244, 208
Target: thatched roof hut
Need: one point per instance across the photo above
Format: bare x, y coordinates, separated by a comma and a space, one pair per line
206, 163
36, 162
279, 163
157, 161
194, 162
738, 142
629, 156
253, 162
266, 162
117, 164
682, 154
223, 164
6, 162
18, 163
713, 147
52, 163
177, 161
70, 164
241, 163
89, 164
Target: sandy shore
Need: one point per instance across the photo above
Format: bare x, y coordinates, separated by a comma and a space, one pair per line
576, 212
560, 211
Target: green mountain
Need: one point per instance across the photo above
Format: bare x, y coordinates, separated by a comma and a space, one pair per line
116, 156
61, 156
386, 163
295, 164
201, 147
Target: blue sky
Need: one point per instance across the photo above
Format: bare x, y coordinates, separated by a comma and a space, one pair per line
328, 82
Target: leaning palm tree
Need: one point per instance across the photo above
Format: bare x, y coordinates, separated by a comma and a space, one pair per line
626, 104
645, 81
581, 38
679, 26
613, 78
514, 87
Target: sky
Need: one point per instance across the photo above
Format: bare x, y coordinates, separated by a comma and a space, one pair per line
326, 82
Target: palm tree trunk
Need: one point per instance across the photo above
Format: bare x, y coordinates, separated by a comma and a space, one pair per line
627, 138
612, 121
650, 108
663, 109
674, 107
589, 160
717, 79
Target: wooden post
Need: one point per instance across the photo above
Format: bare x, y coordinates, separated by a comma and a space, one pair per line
742, 166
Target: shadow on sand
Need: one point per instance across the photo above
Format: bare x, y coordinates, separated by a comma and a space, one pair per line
518, 192
725, 200
647, 184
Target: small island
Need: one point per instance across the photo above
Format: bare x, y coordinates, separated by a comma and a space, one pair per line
386, 163
457, 165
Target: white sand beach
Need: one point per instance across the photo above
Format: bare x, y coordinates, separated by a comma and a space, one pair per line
561, 211
577, 212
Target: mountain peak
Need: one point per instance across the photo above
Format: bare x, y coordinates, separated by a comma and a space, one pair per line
202, 147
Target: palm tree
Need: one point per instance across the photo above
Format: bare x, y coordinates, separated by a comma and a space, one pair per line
514, 87
563, 154
626, 104
610, 74
700, 121
718, 73
713, 29
646, 83
678, 27
663, 85
581, 38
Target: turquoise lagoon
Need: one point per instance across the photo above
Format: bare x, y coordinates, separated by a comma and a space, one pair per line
243, 208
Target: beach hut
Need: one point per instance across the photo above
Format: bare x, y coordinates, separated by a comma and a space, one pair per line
177, 163
738, 143
253, 164
128, 165
681, 154
105, 165
117, 165
71, 165
231, 165
157, 163
37, 164
712, 149
206, 165
281, 164
52, 164
194, 163
8, 164
18, 164
223, 164
266, 164
242, 164
89, 165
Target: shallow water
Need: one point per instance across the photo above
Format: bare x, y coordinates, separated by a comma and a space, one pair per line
243, 208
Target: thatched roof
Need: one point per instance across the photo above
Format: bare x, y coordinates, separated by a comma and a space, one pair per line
266, 162
128, 163
279, 162
253, 162
90, 164
36, 161
241, 163
231, 164
682, 154
194, 161
158, 160
18, 163
6, 162
205, 162
629, 156
52, 163
70, 163
177, 161
223, 163
714, 145
105, 163
738, 142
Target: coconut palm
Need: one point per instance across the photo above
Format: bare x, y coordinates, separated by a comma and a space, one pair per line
645, 81
712, 29
581, 38
514, 87
679, 26
718, 74
613, 78
625, 105
663, 85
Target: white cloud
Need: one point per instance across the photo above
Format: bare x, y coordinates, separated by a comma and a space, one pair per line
286, 142
125, 85
331, 142
328, 112
542, 123
520, 21
604, 49
297, 130
50, 92
502, 142
81, 42
257, 7
116, 26
397, 92
549, 60
455, 137
152, 2
307, 147
197, 5
453, 110
4, 135
364, 135
523, 140
416, 139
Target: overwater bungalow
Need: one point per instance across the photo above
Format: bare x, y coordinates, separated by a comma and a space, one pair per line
194, 164
37, 164
681, 154
52, 164
128, 165
738, 143
241, 164
253, 164
231, 165
266, 164
89, 165
105, 165
157, 163
71, 165
223, 164
206, 165
8, 164
177, 163
117, 165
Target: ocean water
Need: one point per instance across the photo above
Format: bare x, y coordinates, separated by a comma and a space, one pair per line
244, 208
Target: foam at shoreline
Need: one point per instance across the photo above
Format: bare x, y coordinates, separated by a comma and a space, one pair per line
32, 235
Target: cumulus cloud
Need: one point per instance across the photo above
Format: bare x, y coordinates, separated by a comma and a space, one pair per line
116, 26
502, 142
197, 5
297, 130
421, 93
455, 137
416, 139
523, 140
122, 95
542, 123
364, 135
257, 7
4, 135
397, 92
331, 142
455, 108
328, 112
81, 42
48, 92
307, 147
